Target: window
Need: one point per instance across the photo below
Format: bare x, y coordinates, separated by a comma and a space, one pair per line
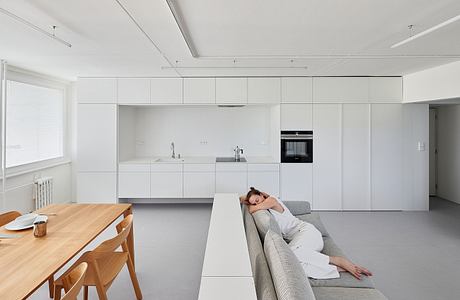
34, 123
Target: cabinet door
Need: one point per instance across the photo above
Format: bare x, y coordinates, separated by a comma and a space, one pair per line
166, 90
97, 90
199, 184
133, 185
265, 181
387, 152
296, 89
133, 91
385, 89
97, 137
232, 90
166, 185
356, 150
296, 117
199, 90
231, 182
264, 90
327, 192
340, 89
97, 187
296, 182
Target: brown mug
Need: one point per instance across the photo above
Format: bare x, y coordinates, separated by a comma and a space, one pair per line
40, 229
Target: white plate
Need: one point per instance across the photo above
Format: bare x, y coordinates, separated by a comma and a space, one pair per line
13, 225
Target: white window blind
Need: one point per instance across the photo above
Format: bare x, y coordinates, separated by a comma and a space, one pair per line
34, 123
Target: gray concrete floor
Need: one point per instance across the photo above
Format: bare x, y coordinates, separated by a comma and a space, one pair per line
414, 255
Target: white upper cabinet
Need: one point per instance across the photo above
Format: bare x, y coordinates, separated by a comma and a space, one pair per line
264, 90
166, 90
97, 137
97, 90
327, 160
133, 90
199, 90
296, 89
232, 90
385, 89
341, 89
296, 117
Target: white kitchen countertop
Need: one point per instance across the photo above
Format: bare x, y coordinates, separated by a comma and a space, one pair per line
196, 160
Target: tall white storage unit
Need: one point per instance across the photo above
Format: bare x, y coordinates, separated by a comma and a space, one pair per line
97, 141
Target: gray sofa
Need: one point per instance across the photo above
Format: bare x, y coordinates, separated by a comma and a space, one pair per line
344, 288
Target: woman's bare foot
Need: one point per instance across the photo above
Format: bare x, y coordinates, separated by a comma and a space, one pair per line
344, 265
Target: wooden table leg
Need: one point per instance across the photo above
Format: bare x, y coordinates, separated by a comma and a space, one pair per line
51, 286
130, 238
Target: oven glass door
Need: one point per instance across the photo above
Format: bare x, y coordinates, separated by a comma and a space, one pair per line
297, 150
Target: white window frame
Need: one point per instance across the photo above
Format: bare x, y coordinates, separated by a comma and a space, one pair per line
31, 78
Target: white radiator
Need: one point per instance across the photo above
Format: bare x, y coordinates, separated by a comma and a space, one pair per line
43, 192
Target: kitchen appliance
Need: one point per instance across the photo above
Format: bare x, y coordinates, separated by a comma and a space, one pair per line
230, 159
296, 146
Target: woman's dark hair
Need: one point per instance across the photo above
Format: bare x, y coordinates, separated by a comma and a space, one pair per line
252, 191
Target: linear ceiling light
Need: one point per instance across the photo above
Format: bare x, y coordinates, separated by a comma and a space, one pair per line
183, 29
25, 22
425, 32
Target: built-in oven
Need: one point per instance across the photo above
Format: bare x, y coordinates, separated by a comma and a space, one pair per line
296, 146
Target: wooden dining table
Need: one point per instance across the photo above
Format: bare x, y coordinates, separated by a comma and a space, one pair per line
27, 262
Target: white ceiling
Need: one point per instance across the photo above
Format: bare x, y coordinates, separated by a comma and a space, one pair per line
238, 37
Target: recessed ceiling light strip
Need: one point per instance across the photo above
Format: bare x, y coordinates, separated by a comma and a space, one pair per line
148, 37
25, 22
235, 67
332, 56
425, 32
183, 29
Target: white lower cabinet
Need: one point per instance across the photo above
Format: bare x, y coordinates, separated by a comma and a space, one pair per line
133, 185
296, 182
231, 182
199, 185
166, 185
95, 187
264, 177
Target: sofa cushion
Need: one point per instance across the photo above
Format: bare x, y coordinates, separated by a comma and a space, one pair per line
262, 277
298, 207
346, 279
340, 293
264, 220
315, 220
288, 275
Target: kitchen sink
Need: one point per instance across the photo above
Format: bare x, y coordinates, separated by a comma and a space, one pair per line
230, 159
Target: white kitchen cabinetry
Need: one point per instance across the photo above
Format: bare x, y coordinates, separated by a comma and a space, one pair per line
387, 152
166, 90
166, 180
355, 157
296, 182
97, 137
97, 90
96, 187
133, 91
199, 180
327, 160
296, 117
264, 177
296, 89
134, 181
199, 90
340, 89
232, 90
264, 90
231, 178
385, 89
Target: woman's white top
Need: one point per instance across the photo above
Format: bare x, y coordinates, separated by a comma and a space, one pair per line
285, 220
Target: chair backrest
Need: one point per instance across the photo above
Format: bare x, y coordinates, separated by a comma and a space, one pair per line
74, 281
108, 246
8, 217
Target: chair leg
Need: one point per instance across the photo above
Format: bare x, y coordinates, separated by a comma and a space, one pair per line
57, 292
51, 286
132, 274
101, 292
85, 292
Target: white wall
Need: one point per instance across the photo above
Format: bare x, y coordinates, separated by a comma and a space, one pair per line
433, 84
196, 130
449, 152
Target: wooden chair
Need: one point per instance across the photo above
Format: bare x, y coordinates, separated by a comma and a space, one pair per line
73, 282
8, 217
104, 264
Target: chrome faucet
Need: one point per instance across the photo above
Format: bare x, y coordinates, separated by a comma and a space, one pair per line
173, 153
238, 152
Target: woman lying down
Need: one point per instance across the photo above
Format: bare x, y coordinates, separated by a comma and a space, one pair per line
303, 238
